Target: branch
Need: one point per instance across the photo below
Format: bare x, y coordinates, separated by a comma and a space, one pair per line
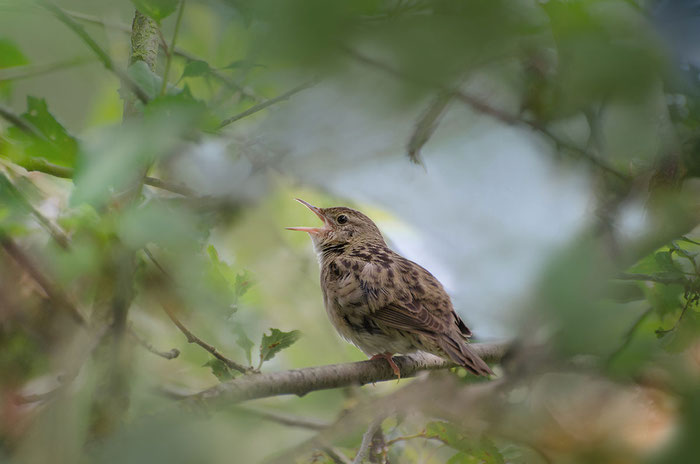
101, 54
172, 354
286, 419
53, 293
31, 70
177, 51
484, 108
192, 338
63, 172
261, 106
302, 381
367, 438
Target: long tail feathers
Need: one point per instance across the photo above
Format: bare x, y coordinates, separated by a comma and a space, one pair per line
461, 353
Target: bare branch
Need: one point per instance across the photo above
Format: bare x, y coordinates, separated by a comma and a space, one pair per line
302, 381
172, 354
67, 173
367, 439
177, 51
192, 338
266, 103
484, 108
53, 293
285, 419
101, 54
31, 70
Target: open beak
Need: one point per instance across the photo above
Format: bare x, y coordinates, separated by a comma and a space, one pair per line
317, 212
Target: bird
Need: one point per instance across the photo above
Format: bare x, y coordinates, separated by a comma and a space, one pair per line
380, 301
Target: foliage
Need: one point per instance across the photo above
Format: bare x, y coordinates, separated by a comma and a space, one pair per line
162, 220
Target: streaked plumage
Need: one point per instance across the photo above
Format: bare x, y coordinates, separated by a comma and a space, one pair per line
380, 301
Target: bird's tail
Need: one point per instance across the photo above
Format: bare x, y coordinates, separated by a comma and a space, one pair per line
461, 353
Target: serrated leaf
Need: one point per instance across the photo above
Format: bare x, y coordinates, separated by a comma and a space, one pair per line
52, 141
195, 68
156, 9
276, 342
219, 369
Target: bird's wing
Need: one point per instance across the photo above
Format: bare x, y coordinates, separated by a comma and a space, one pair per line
403, 295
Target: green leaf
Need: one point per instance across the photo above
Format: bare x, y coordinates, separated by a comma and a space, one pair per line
685, 334
219, 369
276, 342
664, 259
52, 141
196, 68
156, 9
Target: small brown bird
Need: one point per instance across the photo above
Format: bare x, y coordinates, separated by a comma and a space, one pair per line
380, 301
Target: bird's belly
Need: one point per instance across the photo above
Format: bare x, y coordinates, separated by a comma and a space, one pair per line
355, 324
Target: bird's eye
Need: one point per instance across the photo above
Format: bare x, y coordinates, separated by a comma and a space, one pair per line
342, 219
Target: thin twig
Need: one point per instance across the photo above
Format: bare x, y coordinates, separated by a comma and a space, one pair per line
652, 278
336, 455
171, 354
32, 70
302, 381
192, 338
285, 419
421, 434
40, 165
484, 108
102, 55
55, 231
169, 56
261, 106
53, 293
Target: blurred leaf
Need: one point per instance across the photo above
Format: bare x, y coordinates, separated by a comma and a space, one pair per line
159, 223
10, 55
426, 125
195, 68
474, 451
665, 299
243, 64
52, 143
276, 342
219, 369
244, 342
179, 107
156, 9
149, 81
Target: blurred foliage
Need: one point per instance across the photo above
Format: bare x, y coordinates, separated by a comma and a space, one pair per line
103, 237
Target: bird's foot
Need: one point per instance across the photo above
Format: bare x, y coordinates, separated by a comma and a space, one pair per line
388, 357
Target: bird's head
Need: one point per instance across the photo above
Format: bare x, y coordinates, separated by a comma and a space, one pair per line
341, 226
